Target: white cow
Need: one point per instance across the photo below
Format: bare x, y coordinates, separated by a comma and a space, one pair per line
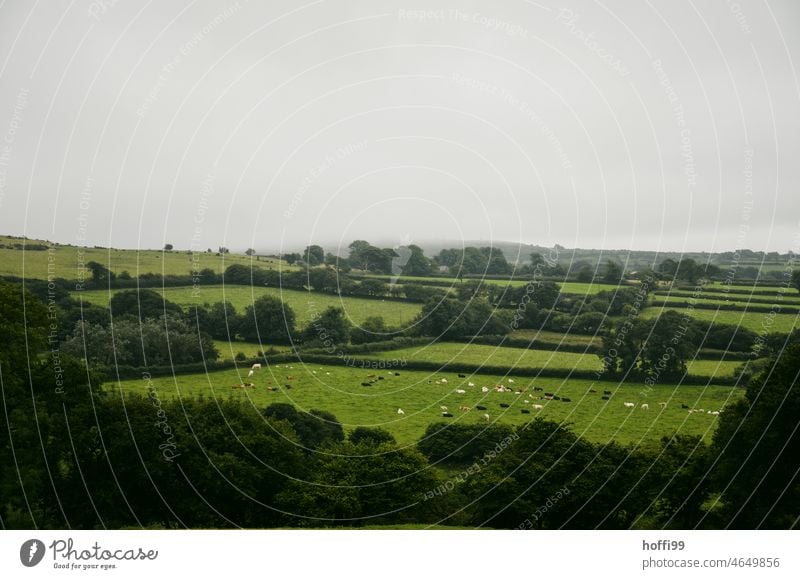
537, 407
510, 381
460, 391
256, 367
662, 404
443, 408
484, 389
645, 406
471, 384
629, 404
250, 373
486, 417
400, 411
444, 380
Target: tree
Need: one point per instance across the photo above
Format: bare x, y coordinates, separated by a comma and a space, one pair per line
268, 320
376, 436
223, 250
315, 428
101, 275
757, 444
417, 263
250, 251
314, 255
373, 329
330, 328
143, 304
292, 258
796, 279
168, 247
613, 273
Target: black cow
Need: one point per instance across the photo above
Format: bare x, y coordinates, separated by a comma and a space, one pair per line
503, 405
525, 411
684, 406
556, 397
366, 383
593, 391
537, 389
607, 392
604, 397
287, 386
447, 415
462, 375
480, 408
397, 373
380, 377
548, 393
565, 399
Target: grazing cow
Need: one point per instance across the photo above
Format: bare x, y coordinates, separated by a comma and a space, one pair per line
447, 415
510, 381
400, 411
503, 405
607, 392
548, 394
556, 397
327, 373
462, 375
397, 373
605, 398
480, 407
629, 404
526, 401
271, 388
486, 417
471, 384
256, 367
250, 373
290, 377
537, 389
287, 386
464, 408
460, 391
525, 411
715, 413
443, 408
484, 389
537, 406
565, 399
662, 404
546, 397
592, 390
685, 406
444, 380
645, 406
380, 377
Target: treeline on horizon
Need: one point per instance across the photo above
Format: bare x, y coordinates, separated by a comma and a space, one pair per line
73, 455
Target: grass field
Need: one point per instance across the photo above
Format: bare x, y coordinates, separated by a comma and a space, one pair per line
228, 350
304, 304
556, 337
739, 302
68, 261
755, 321
338, 389
480, 355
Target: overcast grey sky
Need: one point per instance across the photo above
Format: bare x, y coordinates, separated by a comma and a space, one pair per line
644, 125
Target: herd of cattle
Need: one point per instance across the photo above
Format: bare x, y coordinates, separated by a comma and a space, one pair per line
532, 396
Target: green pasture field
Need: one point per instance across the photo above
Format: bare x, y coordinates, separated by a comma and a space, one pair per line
737, 301
481, 355
228, 350
68, 262
304, 304
556, 337
338, 389
789, 297
755, 321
